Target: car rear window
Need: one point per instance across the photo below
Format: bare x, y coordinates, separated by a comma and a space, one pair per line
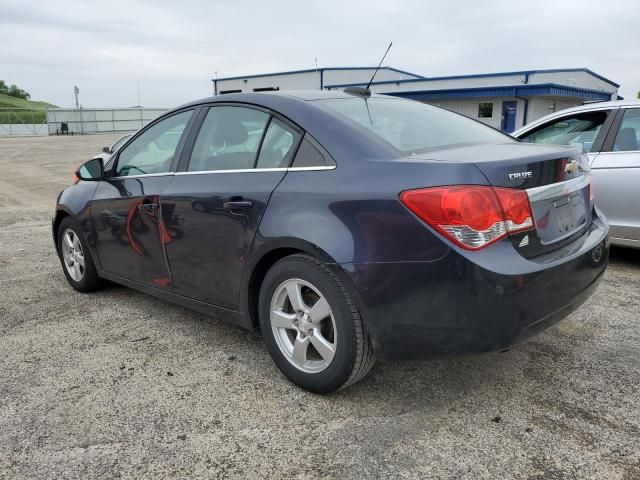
411, 126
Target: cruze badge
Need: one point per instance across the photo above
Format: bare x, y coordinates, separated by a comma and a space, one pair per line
572, 167
520, 175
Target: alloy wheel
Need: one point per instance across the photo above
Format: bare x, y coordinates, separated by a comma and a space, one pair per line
73, 255
303, 325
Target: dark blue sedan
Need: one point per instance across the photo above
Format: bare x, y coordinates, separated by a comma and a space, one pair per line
342, 227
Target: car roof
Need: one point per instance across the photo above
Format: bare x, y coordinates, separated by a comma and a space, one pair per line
596, 106
599, 105
256, 97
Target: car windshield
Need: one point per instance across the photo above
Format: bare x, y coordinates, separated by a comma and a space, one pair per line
119, 143
411, 126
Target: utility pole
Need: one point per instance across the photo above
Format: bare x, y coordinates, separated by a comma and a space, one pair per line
139, 104
76, 91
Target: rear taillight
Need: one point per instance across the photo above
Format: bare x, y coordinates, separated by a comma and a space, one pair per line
471, 216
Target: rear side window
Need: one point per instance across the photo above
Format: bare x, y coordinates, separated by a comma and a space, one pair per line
229, 139
579, 130
629, 132
278, 146
311, 154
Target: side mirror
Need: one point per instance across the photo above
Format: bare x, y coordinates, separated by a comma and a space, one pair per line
92, 170
106, 149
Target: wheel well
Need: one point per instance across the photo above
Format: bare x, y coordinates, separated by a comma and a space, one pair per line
257, 276
60, 215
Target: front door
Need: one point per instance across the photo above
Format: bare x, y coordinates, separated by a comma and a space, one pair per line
126, 210
218, 199
616, 177
508, 116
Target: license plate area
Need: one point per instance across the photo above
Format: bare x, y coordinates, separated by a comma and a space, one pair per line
560, 210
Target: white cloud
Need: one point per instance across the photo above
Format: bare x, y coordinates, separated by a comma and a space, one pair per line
173, 48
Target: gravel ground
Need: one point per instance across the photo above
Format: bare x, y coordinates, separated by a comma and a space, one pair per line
119, 384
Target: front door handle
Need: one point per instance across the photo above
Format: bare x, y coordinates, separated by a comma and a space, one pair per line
148, 207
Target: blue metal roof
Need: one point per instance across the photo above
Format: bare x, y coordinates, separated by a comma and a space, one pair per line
308, 70
546, 89
482, 75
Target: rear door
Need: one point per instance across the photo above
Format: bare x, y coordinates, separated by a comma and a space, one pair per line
616, 174
215, 202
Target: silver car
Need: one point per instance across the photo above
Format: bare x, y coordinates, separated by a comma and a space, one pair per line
609, 133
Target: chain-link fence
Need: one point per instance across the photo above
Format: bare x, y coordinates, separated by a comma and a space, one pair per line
23, 121
81, 121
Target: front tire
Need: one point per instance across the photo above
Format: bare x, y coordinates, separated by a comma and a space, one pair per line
311, 326
75, 257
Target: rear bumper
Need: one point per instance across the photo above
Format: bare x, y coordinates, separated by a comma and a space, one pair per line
472, 302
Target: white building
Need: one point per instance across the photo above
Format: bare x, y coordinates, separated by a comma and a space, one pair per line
505, 100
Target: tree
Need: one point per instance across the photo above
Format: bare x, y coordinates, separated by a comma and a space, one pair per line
14, 91
638, 94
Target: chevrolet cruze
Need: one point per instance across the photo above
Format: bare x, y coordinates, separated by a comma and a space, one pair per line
342, 226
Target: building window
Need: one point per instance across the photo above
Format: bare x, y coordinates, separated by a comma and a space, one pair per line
224, 92
266, 89
485, 110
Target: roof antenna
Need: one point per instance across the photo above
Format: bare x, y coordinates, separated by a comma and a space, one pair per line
365, 91
383, 57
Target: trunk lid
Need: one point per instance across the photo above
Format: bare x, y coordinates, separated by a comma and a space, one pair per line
557, 181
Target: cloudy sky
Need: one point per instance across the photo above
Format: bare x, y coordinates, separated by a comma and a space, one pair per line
173, 48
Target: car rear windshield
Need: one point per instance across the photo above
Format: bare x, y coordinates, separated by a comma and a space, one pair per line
411, 126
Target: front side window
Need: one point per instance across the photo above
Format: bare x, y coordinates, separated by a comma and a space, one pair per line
629, 132
154, 149
229, 139
411, 126
578, 130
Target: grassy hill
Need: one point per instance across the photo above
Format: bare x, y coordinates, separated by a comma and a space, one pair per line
7, 101
34, 111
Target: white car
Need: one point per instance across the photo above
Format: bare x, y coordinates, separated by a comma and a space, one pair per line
609, 133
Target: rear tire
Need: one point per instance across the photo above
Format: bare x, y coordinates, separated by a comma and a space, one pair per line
75, 257
311, 326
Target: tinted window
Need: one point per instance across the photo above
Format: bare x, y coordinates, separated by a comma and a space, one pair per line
629, 132
310, 154
154, 149
228, 139
278, 146
412, 126
579, 130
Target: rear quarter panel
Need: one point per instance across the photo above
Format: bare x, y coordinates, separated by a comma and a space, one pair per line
353, 213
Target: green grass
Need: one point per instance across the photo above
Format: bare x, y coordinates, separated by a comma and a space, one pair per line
11, 110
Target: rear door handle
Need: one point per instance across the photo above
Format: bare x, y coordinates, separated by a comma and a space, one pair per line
237, 205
